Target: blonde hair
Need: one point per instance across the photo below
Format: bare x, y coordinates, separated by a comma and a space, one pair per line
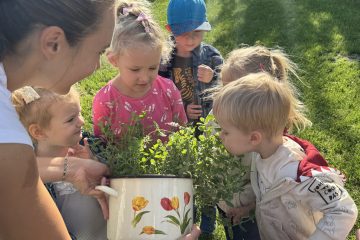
258, 102
243, 61
37, 111
129, 31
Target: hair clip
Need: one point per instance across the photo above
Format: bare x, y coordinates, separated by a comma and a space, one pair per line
28, 94
127, 10
261, 66
144, 19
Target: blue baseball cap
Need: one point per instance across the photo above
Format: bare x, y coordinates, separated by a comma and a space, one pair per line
186, 16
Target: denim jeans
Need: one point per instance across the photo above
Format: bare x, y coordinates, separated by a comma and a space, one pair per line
247, 231
207, 220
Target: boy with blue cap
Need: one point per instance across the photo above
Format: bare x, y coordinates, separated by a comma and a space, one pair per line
193, 67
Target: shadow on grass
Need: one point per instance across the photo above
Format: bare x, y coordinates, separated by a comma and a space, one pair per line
316, 33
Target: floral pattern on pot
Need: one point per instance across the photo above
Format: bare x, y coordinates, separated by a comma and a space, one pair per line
182, 221
138, 203
149, 230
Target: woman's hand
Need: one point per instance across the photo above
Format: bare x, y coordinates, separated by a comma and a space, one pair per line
85, 175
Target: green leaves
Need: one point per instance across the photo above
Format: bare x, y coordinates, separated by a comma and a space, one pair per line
216, 174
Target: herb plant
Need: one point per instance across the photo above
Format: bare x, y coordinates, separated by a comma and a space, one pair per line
204, 158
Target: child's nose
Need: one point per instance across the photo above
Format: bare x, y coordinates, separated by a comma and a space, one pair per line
144, 77
81, 121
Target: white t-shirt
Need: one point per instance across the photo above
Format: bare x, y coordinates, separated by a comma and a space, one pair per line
11, 129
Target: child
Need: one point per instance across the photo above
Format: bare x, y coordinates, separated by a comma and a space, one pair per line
194, 65
239, 63
53, 132
137, 46
253, 59
291, 203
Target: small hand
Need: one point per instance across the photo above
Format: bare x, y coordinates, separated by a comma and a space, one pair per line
193, 235
205, 73
193, 111
357, 234
236, 214
81, 151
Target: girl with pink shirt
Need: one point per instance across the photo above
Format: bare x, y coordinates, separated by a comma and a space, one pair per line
137, 47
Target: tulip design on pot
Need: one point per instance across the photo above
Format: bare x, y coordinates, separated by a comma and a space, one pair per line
173, 205
149, 230
138, 203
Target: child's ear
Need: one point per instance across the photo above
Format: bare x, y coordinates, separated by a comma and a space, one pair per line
255, 137
36, 132
113, 58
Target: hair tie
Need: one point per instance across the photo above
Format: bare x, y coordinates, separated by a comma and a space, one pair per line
127, 10
144, 19
262, 68
28, 94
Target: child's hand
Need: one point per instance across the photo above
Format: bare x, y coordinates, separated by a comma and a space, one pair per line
81, 151
238, 213
193, 235
205, 73
193, 111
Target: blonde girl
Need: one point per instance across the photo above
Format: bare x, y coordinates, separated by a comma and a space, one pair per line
56, 132
138, 45
253, 59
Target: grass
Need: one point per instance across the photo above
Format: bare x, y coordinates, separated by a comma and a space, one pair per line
323, 37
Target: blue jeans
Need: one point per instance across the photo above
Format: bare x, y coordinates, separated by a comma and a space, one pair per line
208, 219
247, 231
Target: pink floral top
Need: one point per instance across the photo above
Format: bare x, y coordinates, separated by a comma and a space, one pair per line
162, 105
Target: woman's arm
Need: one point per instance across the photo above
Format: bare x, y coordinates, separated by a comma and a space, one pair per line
84, 174
27, 210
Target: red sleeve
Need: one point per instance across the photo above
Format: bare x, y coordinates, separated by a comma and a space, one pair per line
313, 159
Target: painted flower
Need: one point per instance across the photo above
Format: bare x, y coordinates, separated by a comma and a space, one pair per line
166, 204
182, 220
186, 198
148, 230
139, 203
175, 202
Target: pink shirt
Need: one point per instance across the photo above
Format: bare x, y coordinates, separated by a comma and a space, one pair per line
162, 104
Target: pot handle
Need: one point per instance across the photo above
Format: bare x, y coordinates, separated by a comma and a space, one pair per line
108, 190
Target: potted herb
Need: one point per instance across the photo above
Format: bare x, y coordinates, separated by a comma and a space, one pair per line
157, 181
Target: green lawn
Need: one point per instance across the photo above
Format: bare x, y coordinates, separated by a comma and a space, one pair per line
323, 37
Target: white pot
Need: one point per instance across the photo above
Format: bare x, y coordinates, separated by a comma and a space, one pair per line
150, 207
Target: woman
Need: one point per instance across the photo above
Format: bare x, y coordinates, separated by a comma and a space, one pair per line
51, 44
